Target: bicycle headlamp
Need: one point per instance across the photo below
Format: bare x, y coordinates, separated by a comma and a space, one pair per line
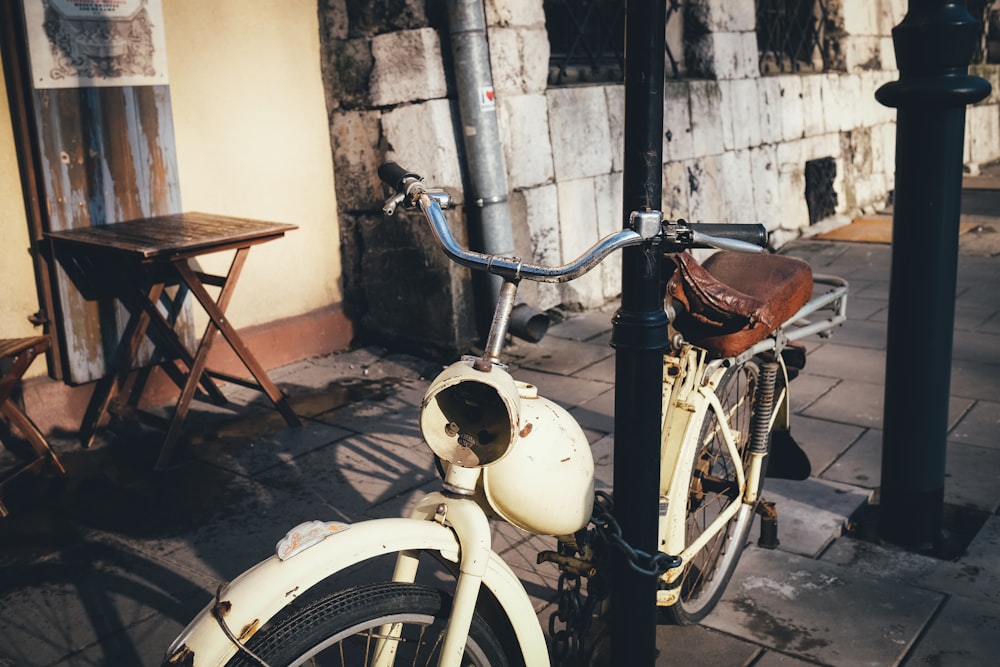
470, 418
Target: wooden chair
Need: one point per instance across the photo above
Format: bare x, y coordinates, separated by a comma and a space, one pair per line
16, 355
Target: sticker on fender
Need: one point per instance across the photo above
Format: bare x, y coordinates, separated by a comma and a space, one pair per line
305, 535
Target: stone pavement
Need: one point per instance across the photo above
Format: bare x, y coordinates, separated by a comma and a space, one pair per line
108, 567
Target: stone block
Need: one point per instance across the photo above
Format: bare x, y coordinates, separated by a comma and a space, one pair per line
578, 229
794, 213
385, 16
723, 15
535, 58
581, 136
982, 127
772, 108
706, 118
422, 137
347, 67
862, 52
887, 55
505, 62
861, 18
813, 105
675, 191
707, 190
678, 139
891, 13
515, 13
519, 60
407, 67
840, 94
740, 113
615, 96
791, 107
524, 134
333, 18
356, 156
766, 186
735, 55
608, 197
535, 224
737, 187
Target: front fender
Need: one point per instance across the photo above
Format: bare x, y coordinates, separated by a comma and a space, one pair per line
258, 594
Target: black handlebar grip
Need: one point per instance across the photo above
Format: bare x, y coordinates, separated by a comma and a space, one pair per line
754, 233
393, 175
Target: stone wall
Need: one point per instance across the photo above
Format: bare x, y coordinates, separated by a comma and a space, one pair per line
735, 142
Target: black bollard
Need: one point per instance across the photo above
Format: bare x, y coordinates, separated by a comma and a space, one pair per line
934, 45
639, 337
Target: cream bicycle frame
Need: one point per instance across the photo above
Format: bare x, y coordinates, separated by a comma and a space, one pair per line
689, 385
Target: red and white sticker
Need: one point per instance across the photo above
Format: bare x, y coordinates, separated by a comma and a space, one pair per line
487, 98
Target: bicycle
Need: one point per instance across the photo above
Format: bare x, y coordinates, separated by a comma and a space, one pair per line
508, 454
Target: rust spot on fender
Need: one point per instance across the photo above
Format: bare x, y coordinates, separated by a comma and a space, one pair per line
526, 431
249, 629
182, 657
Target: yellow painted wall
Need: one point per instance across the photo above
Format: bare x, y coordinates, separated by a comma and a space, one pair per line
252, 140
18, 298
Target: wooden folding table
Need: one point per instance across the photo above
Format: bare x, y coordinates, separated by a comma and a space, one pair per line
135, 262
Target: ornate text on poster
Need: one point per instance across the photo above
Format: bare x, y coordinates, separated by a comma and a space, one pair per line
79, 43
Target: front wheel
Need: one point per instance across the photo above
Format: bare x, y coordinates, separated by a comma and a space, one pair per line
714, 488
345, 628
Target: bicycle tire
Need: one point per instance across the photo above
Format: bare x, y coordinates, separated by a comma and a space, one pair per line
713, 487
341, 628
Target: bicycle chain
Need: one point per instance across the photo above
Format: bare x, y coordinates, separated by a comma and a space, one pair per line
589, 553
607, 528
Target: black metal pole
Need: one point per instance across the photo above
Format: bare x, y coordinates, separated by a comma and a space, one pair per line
639, 338
934, 44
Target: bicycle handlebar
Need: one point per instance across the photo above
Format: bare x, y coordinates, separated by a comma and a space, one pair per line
410, 189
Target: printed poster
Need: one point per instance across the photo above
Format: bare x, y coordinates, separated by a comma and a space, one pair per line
89, 43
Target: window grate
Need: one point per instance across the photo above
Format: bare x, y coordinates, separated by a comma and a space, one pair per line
821, 198
791, 36
587, 40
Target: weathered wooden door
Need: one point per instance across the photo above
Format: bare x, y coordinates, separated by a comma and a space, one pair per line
100, 155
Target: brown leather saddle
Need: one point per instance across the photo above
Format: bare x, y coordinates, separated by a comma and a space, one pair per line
734, 300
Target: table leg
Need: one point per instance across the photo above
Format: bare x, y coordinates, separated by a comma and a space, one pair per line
96, 416
215, 308
165, 329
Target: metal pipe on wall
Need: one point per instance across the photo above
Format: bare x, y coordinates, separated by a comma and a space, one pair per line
486, 200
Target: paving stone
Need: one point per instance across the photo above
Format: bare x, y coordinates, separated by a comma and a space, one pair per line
566, 391
597, 414
355, 473
979, 426
817, 611
973, 379
966, 632
861, 464
87, 595
823, 441
980, 490
806, 388
696, 645
564, 356
584, 326
812, 513
850, 402
862, 365
247, 449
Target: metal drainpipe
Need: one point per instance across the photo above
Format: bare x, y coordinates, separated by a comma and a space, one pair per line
489, 221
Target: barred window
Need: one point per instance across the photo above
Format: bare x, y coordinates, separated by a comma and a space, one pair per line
587, 40
794, 36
